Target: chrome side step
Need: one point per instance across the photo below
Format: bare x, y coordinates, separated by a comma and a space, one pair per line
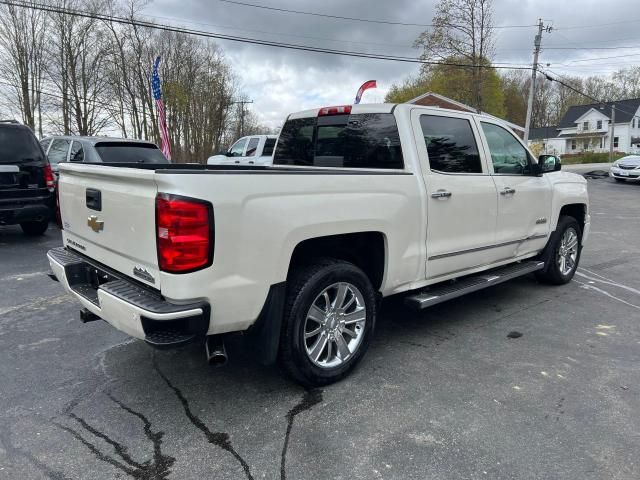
448, 290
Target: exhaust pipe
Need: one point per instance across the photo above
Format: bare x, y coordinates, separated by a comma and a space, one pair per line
216, 353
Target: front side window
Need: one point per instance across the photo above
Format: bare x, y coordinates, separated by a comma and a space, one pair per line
237, 148
369, 140
252, 147
58, 151
77, 153
508, 155
451, 145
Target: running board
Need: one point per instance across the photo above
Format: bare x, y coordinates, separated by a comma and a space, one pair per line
472, 283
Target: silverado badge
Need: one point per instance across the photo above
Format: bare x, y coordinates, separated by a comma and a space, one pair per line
142, 273
95, 224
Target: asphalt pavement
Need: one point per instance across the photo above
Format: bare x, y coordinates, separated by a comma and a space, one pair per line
441, 394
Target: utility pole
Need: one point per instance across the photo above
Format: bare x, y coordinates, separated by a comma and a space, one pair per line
534, 73
241, 103
613, 127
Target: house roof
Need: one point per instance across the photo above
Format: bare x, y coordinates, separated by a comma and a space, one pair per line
541, 133
625, 111
582, 135
438, 100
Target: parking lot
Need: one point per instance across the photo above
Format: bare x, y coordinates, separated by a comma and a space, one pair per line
441, 394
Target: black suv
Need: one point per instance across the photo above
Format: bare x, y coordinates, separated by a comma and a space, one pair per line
26, 180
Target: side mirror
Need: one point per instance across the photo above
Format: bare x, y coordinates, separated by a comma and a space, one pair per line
228, 153
549, 163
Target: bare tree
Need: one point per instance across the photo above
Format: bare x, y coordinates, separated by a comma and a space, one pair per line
463, 30
22, 38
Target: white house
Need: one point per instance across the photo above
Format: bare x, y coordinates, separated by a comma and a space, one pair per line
587, 128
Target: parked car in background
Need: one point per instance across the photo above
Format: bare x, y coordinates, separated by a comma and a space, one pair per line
100, 150
626, 168
26, 180
252, 150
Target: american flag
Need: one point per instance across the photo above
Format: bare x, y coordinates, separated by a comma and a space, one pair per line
162, 119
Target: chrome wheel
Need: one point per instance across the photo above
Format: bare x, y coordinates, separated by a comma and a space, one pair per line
568, 251
334, 326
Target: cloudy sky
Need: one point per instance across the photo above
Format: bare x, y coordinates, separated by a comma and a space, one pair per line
282, 81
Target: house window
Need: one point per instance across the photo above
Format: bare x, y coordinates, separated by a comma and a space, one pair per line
585, 145
615, 142
573, 144
585, 125
599, 124
633, 123
601, 142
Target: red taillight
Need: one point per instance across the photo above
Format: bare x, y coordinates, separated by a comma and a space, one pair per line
184, 233
338, 110
48, 178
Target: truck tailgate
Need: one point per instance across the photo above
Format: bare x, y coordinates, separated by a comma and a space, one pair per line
108, 214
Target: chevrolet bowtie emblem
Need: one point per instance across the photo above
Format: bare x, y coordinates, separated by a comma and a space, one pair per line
95, 224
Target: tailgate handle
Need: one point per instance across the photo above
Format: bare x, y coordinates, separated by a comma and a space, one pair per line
94, 199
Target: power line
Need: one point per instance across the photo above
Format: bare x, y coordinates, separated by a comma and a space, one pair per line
354, 19
595, 100
597, 25
594, 48
254, 41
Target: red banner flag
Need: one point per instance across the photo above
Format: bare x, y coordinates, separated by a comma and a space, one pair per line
365, 86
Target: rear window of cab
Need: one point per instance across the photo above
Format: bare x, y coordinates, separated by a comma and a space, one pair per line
368, 140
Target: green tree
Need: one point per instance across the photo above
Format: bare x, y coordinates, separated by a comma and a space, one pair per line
455, 82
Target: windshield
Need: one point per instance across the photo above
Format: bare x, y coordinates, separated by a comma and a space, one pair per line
128, 152
18, 144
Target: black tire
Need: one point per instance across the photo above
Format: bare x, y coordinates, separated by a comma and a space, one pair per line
305, 286
35, 228
552, 273
619, 179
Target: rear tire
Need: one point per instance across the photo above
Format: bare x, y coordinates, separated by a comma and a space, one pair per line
562, 253
35, 228
329, 319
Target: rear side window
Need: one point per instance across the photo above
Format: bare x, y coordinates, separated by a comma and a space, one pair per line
126, 152
45, 144
18, 144
369, 140
58, 151
77, 153
269, 143
451, 145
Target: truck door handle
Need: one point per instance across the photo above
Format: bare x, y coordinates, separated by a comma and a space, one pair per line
508, 191
441, 194
237, 161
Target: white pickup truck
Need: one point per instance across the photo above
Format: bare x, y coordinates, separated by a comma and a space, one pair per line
362, 202
253, 150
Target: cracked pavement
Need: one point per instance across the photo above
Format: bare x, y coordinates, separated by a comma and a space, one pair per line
442, 394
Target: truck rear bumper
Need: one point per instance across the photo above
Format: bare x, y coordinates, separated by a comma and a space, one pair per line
129, 307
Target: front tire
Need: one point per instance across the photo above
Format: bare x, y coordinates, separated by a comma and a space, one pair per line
35, 228
329, 320
562, 253
621, 180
